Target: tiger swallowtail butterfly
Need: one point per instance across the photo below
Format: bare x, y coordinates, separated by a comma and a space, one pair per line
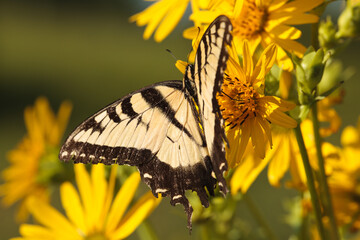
171, 131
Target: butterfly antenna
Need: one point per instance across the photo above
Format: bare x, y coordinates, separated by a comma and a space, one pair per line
171, 53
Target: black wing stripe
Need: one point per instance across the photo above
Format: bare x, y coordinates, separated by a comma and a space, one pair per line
126, 108
156, 99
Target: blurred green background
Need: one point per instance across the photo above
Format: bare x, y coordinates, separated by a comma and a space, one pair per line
88, 52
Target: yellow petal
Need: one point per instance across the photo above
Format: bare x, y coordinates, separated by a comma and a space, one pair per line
181, 65
276, 4
302, 18
72, 205
109, 193
233, 137
244, 140
286, 32
263, 66
290, 46
285, 83
121, 202
141, 210
300, 5
257, 138
280, 161
350, 136
171, 19
99, 190
87, 197
62, 121
36, 232
281, 119
51, 218
248, 65
246, 173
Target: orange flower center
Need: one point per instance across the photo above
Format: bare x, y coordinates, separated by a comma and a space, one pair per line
252, 21
237, 101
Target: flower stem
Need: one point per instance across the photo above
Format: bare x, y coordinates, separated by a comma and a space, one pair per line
310, 182
315, 35
258, 217
324, 188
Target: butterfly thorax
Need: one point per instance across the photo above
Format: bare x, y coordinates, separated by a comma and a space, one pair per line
189, 82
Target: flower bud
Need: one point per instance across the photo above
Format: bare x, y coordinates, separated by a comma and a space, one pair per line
309, 72
349, 20
327, 32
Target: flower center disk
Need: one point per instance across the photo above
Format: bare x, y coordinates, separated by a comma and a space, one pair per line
251, 22
238, 101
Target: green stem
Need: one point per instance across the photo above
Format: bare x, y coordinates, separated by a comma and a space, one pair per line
258, 217
315, 35
324, 188
310, 182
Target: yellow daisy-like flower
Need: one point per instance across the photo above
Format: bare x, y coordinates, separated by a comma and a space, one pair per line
343, 179
163, 16
92, 213
246, 110
24, 177
283, 157
263, 22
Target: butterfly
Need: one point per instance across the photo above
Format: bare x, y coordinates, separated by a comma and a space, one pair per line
172, 131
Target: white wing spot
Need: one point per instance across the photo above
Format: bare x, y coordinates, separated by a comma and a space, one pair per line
221, 166
146, 175
82, 155
73, 153
64, 154
213, 174
177, 197
102, 158
91, 156
160, 190
220, 184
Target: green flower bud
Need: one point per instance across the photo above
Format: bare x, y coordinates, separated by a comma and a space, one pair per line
349, 21
327, 32
313, 66
309, 72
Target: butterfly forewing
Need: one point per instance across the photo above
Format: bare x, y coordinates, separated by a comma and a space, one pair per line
209, 67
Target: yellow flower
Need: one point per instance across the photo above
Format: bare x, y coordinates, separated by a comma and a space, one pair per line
24, 178
164, 15
262, 22
344, 178
284, 156
92, 213
246, 110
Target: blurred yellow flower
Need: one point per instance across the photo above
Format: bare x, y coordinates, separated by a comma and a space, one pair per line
246, 110
24, 178
283, 157
344, 180
262, 22
92, 213
164, 15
